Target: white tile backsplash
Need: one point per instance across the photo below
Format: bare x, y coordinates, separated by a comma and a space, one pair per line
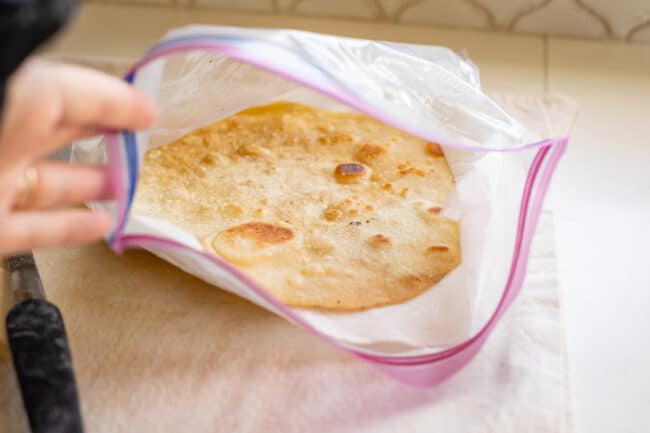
347, 8
562, 17
506, 13
641, 33
621, 16
446, 12
150, 2
284, 5
627, 20
251, 5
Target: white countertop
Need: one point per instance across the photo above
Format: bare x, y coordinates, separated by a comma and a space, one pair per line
601, 193
602, 198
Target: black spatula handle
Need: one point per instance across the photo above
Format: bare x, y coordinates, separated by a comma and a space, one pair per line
39, 347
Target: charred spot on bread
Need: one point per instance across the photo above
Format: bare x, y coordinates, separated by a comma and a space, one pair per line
265, 233
349, 172
340, 138
379, 241
333, 213
369, 153
434, 149
437, 249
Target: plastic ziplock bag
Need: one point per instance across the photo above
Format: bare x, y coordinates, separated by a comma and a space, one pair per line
198, 75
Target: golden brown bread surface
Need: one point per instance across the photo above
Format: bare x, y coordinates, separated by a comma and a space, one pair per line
329, 210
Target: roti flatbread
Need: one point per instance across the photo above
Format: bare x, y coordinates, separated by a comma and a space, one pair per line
324, 209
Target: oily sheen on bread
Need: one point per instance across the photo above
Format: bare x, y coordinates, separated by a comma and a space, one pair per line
324, 209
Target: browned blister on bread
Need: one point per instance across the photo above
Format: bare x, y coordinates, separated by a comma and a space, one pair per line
350, 172
248, 242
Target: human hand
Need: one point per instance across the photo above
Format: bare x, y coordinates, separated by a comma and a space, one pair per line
47, 106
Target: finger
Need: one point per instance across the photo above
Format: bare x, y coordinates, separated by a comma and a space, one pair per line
60, 184
23, 231
50, 104
91, 98
67, 134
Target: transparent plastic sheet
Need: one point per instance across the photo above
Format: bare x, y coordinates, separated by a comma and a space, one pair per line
202, 74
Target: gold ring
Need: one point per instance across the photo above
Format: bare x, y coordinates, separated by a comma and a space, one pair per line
26, 188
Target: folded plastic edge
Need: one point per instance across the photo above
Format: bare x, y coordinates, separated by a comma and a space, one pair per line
239, 52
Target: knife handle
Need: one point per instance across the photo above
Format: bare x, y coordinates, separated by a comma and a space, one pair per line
39, 347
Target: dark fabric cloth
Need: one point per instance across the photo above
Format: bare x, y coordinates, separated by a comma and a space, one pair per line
25, 25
